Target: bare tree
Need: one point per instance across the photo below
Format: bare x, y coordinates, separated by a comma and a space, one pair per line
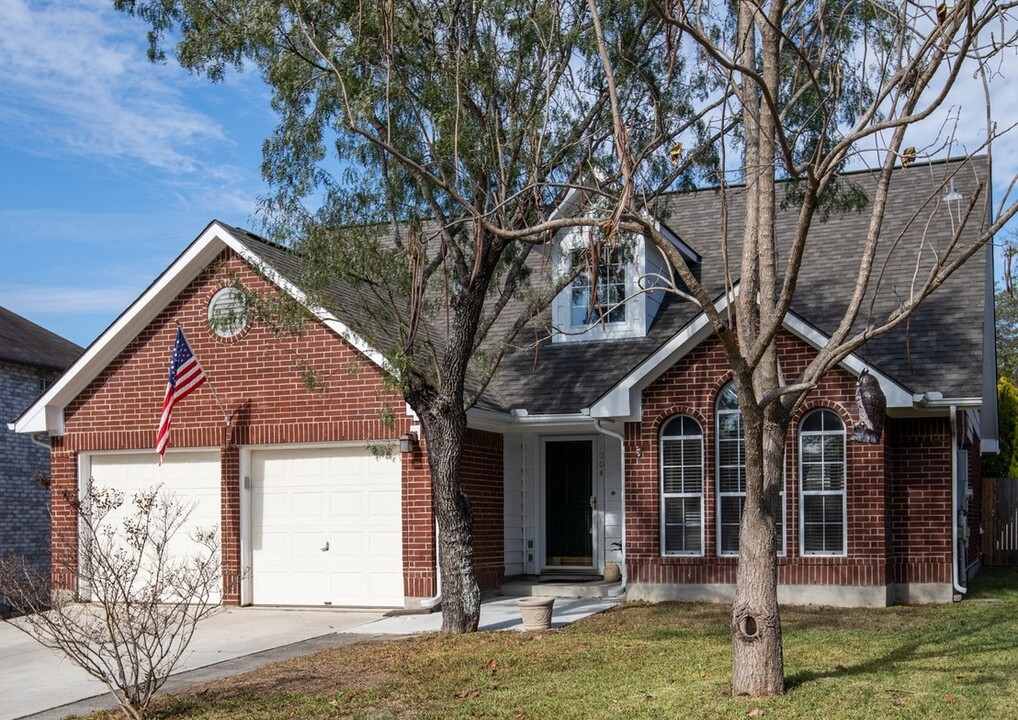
815, 88
144, 582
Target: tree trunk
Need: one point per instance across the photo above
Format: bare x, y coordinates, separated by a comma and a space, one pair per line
461, 599
757, 659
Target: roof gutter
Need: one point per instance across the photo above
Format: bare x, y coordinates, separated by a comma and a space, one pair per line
937, 400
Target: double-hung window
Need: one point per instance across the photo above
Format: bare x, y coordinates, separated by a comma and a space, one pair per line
609, 305
823, 519
731, 469
731, 475
682, 487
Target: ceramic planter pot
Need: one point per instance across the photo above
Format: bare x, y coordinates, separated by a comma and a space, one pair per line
536, 612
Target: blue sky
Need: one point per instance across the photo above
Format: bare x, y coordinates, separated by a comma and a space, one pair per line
110, 166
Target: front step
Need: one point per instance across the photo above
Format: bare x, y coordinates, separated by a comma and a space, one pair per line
559, 587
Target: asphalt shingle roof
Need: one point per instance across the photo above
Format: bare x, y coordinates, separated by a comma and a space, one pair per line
24, 342
938, 349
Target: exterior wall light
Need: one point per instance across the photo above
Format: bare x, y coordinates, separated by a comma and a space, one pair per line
408, 442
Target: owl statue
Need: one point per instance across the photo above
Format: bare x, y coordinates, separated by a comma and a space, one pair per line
872, 404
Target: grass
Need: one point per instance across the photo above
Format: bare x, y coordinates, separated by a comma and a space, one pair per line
655, 661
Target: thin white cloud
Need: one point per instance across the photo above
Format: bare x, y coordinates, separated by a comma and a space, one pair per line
75, 79
31, 300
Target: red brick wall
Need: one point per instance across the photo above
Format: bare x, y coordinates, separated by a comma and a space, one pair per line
258, 378
921, 500
482, 477
691, 387
418, 526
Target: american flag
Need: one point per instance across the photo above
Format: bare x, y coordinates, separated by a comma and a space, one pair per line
186, 376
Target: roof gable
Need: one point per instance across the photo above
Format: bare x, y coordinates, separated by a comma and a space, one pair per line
46, 415
624, 399
940, 349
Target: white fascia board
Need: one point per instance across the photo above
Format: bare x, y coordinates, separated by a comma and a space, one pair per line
623, 400
320, 313
897, 396
491, 420
46, 415
689, 253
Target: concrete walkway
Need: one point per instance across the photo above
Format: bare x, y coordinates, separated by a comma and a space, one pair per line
500, 613
35, 679
41, 684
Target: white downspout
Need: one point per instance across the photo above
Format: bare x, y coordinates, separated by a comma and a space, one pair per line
622, 485
955, 566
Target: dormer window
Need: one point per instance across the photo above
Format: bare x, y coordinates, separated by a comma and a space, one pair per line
609, 302
627, 285
604, 301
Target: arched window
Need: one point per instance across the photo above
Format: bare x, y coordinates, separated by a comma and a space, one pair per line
731, 474
681, 487
822, 520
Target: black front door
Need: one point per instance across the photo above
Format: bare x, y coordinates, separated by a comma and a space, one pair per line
568, 482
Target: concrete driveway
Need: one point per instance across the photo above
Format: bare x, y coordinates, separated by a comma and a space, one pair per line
44, 685
35, 680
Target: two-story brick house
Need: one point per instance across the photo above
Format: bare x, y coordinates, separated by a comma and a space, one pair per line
614, 439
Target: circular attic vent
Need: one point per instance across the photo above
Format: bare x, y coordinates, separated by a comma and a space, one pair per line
227, 314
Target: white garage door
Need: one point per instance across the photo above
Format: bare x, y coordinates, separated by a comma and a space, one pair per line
326, 528
191, 476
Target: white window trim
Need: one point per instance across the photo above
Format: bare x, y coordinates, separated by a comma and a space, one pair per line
634, 326
782, 548
664, 495
817, 493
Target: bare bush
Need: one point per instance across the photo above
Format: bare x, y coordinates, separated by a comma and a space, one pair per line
144, 580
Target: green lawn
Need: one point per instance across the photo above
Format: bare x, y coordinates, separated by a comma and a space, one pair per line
657, 661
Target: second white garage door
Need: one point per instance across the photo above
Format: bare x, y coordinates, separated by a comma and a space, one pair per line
326, 528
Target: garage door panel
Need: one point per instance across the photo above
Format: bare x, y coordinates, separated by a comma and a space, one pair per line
348, 545
382, 583
192, 478
385, 504
276, 544
313, 495
347, 505
385, 544
309, 506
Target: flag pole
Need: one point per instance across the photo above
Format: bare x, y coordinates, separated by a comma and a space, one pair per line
226, 416
208, 380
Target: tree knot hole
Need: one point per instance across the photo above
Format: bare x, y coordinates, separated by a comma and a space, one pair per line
748, 627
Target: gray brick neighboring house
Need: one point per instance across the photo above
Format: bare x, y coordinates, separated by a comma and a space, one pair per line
31, 357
